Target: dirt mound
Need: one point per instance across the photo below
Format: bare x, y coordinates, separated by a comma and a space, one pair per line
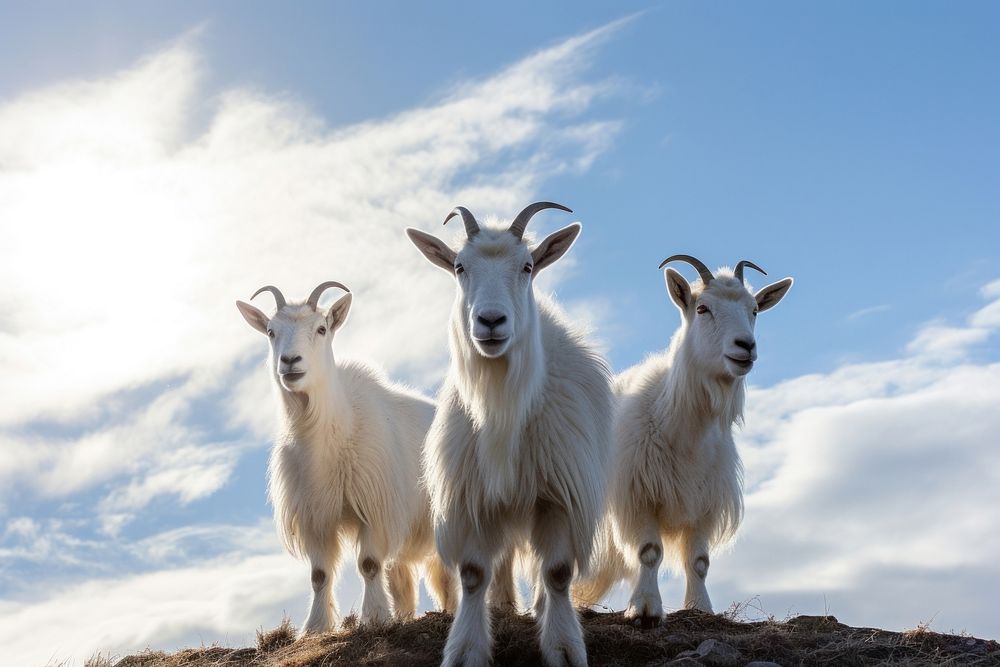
685, 638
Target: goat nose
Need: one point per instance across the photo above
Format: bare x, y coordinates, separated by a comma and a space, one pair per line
491, 318
747, 344
290, 360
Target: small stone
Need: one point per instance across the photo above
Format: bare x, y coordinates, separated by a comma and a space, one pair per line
716, 653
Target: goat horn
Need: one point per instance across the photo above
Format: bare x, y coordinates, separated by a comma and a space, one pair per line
279, 298
706, 275
738, 271
313, 299
471, 226
521, 221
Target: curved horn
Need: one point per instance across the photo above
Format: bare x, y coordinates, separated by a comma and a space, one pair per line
313, 299
738, 271
279, 298
521, 221
471, 226
706, 275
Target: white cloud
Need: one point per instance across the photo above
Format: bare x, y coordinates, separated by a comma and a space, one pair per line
188, 600
227, 599
940, 340
129, 233
154, 451
190, 473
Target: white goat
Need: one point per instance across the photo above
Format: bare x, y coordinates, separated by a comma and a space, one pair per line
347, 467
519, 446
676, 476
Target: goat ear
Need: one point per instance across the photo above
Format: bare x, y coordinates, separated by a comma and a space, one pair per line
554, 246
768, 297
254, 317
678, 289
434, 249
337, 314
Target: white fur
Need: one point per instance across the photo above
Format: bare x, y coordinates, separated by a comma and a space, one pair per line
345, 471
519, 445
677, 480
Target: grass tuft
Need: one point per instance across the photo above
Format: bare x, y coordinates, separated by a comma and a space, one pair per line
278, 638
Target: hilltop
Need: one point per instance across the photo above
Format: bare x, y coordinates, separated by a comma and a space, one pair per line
685, 638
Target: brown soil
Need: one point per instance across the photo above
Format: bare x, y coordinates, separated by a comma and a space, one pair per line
611, 640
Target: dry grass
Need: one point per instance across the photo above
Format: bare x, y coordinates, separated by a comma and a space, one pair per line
278, 638
611, 641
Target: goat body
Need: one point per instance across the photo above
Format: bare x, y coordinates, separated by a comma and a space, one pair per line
345, 471
519, 446
676, 486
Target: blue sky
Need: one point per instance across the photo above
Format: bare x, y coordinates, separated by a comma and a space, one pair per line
158, 162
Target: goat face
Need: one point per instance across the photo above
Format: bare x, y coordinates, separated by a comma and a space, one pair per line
494, 269
301, 338
720, 319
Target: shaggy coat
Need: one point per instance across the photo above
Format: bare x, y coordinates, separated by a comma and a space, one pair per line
515, 434
518, 450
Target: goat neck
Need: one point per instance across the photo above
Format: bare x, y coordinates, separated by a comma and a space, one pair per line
503, 389
323, 410
703, 397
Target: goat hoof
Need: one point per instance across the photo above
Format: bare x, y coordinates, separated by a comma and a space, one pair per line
647, 622
646, 617
645, 612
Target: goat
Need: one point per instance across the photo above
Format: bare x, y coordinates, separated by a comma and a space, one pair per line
346, 469
676, 475
519, 446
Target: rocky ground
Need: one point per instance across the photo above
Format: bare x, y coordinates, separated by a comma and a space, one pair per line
685, 638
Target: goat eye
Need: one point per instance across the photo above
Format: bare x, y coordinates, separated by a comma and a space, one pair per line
702, 309
528, 267
459, 269
755, 312
321, 331
270, 333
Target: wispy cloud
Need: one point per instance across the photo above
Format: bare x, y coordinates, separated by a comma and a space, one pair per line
129, 232
865, 312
